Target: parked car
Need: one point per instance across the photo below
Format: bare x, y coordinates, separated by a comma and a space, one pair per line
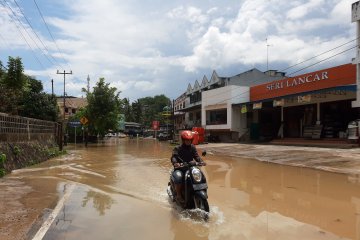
110, 135
122, 135
163, 136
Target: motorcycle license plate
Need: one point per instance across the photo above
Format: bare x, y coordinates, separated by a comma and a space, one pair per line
200, 186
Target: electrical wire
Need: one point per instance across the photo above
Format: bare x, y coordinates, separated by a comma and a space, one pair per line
225, 100
27, 20
6, 44
323, 60
22, 35
48, 29
14, 16
294, 65
319, 54
261, 79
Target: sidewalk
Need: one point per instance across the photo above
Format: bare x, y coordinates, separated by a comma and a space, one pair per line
328, 159
330, 143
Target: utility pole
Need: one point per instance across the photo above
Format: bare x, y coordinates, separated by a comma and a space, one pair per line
52, 87
355, 17
88, 84
173, 119
267, 55
64, 73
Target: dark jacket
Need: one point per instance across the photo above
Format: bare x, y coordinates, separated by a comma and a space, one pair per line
186, 152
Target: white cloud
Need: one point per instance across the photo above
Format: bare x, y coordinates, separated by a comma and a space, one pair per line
303, 9
242, 39
146, 49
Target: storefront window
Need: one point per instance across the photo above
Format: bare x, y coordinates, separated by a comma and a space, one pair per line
216, 117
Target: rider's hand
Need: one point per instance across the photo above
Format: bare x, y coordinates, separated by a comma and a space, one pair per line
176, 165
203, 163
193, 163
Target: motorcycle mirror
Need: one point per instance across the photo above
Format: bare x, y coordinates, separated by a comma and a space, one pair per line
203, 153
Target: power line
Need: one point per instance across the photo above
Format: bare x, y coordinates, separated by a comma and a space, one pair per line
27, 20
15, 16
12, 19
22, 35
2, 66
47, 27
295, 71
324, 59
261, 79
320, 54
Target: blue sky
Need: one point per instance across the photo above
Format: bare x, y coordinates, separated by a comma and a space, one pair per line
145, 48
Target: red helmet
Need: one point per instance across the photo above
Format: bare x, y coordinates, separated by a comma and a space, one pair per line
187, 135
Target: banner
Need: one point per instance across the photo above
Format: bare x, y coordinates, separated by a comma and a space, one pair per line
257, 105
278, 103
304, 99
243, 109
155, 125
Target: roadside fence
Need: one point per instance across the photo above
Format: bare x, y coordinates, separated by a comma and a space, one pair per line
22, 129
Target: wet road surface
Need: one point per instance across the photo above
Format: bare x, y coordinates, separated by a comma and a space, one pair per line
117, 190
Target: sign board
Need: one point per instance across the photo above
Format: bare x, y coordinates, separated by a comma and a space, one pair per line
84, 120
278, 103
243, 109
338, 76
257, 105
155, 125
74, 124
304, 99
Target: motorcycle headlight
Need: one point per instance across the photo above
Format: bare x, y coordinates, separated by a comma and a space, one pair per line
196, 173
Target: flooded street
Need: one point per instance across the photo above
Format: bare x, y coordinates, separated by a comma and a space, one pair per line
117, 190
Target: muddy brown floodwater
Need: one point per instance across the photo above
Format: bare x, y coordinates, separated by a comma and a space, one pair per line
118, 191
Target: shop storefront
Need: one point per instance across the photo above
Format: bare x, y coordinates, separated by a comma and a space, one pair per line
313, 105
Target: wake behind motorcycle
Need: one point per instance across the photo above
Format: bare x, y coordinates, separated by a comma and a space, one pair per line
195, 187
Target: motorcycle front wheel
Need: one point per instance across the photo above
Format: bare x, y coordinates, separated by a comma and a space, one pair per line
201, 203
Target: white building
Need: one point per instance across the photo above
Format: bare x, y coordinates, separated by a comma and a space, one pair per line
179, 115
215, 104
219, 117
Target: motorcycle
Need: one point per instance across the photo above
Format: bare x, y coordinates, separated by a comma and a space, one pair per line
195, 187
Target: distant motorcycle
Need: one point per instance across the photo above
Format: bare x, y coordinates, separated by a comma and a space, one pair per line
195, 189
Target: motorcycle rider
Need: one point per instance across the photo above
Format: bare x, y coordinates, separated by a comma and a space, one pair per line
186, 152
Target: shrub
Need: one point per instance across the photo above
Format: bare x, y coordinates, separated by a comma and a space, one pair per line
2, 161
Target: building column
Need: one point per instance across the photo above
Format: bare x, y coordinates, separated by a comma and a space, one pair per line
356, 10
318, 114
281, 130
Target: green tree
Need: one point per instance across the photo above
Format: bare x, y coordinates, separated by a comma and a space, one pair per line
127, 110
12, 86
15, 79
103, 108
2, 71
137, 111
152, 109
37, 104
